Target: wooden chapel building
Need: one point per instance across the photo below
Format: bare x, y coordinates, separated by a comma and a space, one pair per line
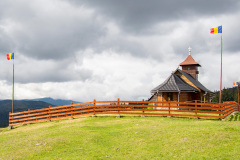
182, 85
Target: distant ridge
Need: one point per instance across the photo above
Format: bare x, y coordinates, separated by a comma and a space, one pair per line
24, 105
55, 102
19, 106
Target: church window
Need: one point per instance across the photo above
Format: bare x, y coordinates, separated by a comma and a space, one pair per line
169, 96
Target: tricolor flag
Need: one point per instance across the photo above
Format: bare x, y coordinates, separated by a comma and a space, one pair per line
10, 56
216, 30
235, 83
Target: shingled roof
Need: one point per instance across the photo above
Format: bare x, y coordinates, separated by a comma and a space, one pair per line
189, 61
194, 81
174, 83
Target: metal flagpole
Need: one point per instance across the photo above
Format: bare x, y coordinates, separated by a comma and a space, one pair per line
13, 89
220, 97
238, 93
213, 31
238, 97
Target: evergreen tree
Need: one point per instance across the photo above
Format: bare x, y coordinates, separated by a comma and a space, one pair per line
228, 94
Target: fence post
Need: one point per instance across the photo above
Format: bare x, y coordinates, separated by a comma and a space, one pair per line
49, 113
143, 104
24, 117
169, 112
118, 103
66, 111
81, 109
10, 118
196, 109
9, 121
72, 114
36, 116
94, 104
57, 113
224, 109
28, 116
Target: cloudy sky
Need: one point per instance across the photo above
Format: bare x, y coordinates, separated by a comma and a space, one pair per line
108, 49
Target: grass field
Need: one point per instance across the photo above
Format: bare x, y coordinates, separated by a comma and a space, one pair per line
235, 117
123, 138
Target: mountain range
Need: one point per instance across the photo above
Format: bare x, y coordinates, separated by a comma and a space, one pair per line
54, 102
24, 105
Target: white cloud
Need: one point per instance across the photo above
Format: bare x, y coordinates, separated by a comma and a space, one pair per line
113, 75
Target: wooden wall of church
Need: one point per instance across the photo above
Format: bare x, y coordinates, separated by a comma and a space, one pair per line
183, 97
192, 70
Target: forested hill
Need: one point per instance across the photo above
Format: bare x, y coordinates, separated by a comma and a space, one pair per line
19, 105
228, 94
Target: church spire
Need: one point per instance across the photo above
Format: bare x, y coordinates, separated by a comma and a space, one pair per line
190, 66
189, 60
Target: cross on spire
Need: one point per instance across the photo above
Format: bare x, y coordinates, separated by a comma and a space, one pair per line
189, 50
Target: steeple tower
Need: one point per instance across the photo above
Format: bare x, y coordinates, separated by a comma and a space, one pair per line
190, 66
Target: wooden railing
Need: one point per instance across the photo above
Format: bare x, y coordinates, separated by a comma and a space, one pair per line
143, 108
230, 107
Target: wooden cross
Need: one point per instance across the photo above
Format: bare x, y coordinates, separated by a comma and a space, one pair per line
189, 50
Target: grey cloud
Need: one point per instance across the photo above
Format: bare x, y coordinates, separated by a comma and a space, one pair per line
122, 45
51, 75
6, 44
49, 41
61, 42
43, 36
40, 71
231, 42
198, 46
136, 16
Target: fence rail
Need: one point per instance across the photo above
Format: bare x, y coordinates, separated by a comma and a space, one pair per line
144, 108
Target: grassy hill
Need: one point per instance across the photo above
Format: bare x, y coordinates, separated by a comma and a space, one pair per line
123, 138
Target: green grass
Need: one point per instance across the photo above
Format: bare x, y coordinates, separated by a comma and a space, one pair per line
234, 117
123, 138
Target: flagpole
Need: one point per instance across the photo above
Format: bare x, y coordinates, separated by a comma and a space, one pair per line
13, 89
220, 97
238, 93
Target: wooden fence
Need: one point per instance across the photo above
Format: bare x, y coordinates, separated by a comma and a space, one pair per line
143, 108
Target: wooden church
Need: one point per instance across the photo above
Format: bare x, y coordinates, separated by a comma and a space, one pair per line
182, 85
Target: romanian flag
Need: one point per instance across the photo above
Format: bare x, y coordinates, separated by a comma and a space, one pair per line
216, 30
10, 56
235, 83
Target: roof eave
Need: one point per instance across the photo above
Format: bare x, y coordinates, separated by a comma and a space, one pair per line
172, 91
190, 65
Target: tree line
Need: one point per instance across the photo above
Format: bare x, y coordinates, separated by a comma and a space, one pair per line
228, 94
